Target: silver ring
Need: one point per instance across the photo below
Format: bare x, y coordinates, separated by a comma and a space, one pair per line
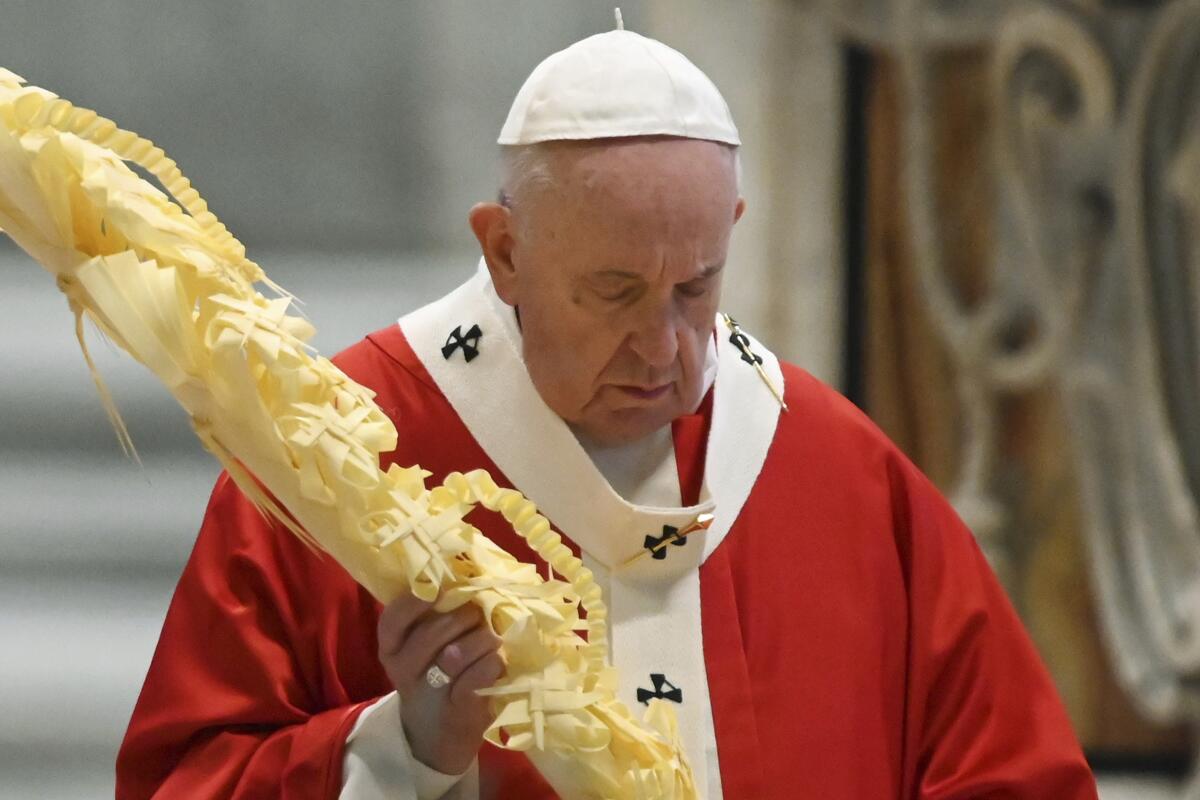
436, 677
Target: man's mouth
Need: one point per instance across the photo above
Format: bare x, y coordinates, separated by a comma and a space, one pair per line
646, 393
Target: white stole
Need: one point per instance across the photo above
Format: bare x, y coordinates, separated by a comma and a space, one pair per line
654, 603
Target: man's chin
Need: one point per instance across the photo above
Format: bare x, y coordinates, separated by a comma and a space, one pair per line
624, 426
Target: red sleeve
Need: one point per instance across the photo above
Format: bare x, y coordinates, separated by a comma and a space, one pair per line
983, 718
265, 660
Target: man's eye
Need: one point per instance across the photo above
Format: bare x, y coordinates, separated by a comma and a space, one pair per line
616, 296
693, 289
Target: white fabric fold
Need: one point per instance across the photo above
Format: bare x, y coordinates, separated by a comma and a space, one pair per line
379, 763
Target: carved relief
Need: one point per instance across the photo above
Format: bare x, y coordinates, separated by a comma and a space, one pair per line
1094, 289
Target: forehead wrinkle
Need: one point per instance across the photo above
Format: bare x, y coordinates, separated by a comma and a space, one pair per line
560, 171
643, 215
704, 267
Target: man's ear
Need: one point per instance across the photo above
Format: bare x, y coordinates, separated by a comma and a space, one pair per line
739, 209
492, 225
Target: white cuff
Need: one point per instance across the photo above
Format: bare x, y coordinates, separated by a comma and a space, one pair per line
379, 764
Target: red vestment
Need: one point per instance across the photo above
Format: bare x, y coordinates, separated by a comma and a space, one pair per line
856, 643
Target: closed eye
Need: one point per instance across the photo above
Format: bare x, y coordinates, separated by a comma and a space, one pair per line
698, 287
615, 287
618, 296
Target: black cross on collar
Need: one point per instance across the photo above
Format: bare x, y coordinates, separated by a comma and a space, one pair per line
673, 693
469, 343
742, 342
657, 545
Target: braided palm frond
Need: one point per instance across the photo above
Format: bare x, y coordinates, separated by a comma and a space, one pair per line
163, 278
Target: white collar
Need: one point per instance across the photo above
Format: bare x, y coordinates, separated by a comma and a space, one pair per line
495, 398
644, 472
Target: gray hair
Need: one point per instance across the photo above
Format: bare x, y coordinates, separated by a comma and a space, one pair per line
528, 167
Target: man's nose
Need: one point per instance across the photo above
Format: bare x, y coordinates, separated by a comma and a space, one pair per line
656, 339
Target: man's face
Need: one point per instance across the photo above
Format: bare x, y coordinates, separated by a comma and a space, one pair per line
615, 270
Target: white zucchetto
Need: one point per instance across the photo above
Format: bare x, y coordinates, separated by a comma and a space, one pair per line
617, 84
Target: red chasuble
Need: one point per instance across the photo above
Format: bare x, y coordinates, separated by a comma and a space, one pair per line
855, 643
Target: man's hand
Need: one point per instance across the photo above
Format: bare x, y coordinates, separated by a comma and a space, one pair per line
444, 726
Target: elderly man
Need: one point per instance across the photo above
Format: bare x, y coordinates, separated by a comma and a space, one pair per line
835, 632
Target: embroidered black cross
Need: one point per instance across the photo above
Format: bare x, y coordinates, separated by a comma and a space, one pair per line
742, 342
673, 693
468, 343
657, 544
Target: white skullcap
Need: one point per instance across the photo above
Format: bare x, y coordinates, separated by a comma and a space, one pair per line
617, 84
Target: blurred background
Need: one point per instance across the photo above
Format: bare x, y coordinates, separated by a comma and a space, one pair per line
977, 218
